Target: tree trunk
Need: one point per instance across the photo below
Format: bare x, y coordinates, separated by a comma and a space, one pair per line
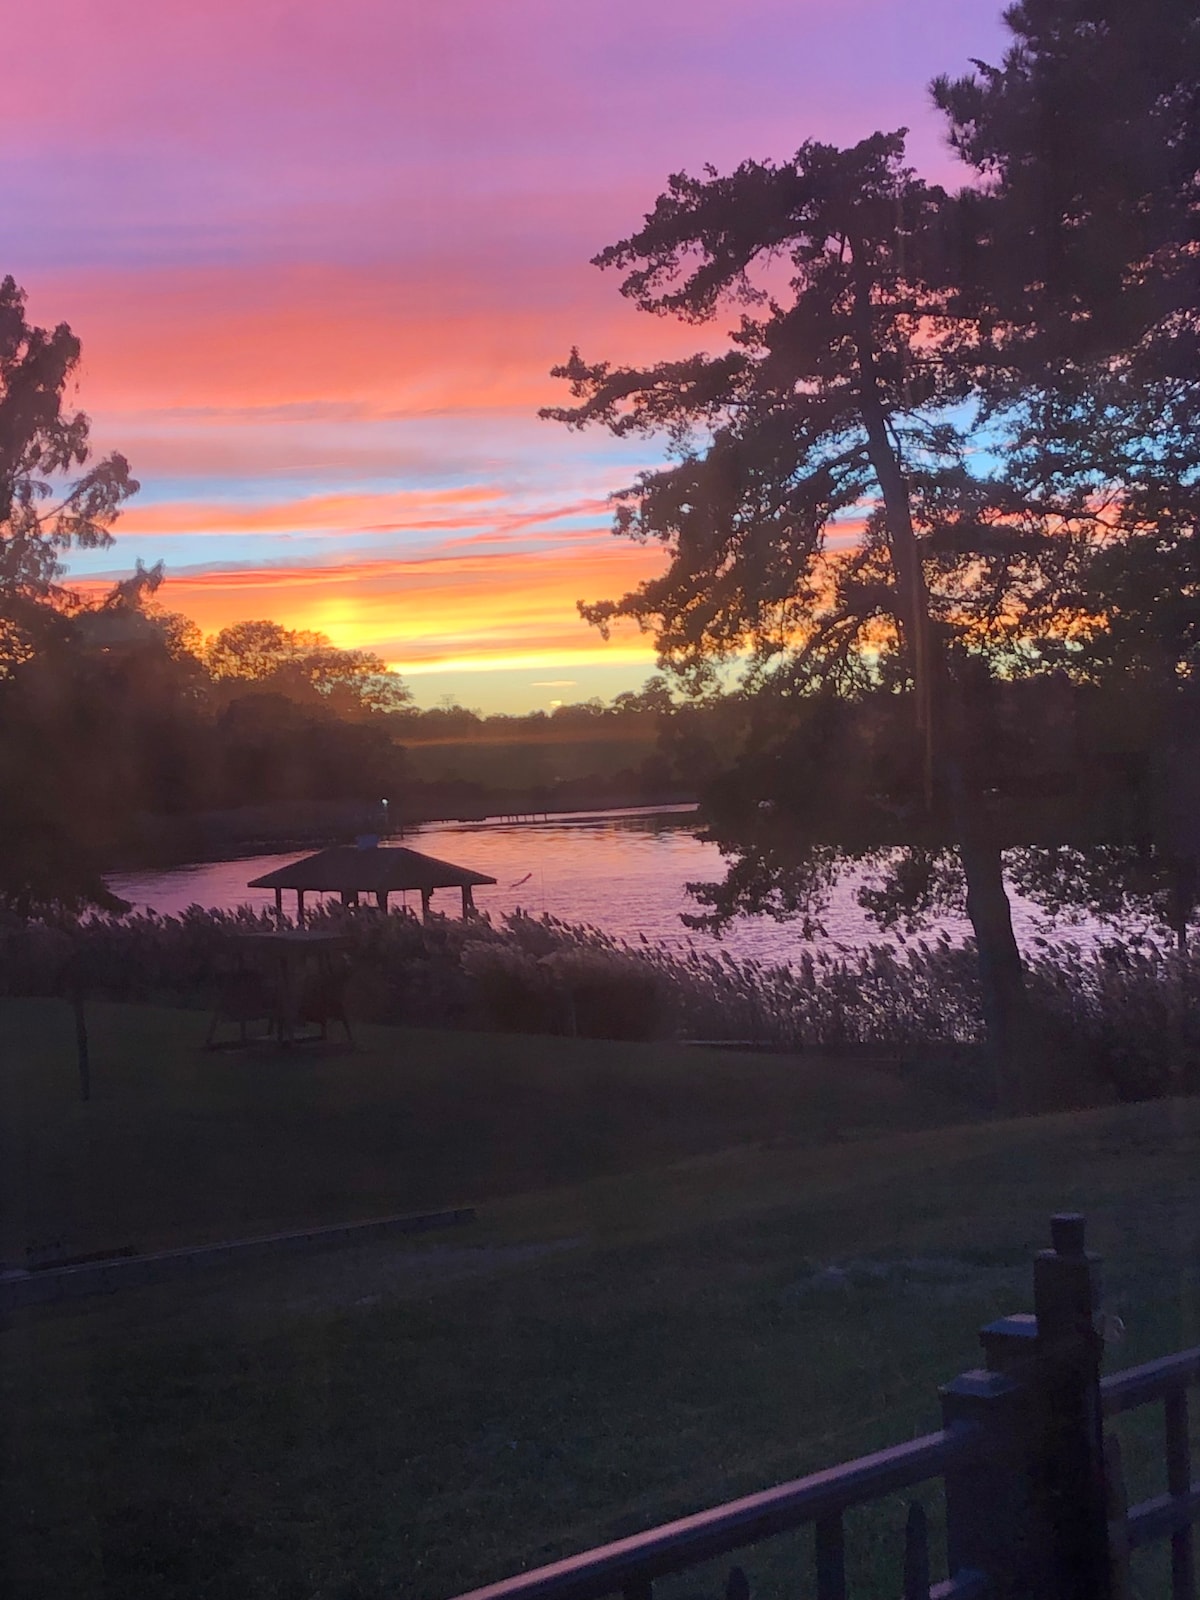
963, 703
941, 720
1001, 971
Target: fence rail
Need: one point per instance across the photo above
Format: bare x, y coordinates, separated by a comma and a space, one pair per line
1165, 1516
820, 1499
1140, 1386
1035, 1496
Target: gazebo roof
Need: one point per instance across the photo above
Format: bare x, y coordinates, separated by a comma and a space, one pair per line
346, 868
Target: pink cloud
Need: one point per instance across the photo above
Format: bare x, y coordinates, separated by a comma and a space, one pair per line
322, 259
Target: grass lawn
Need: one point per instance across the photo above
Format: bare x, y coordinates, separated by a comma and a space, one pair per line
181, 1145
644, 1327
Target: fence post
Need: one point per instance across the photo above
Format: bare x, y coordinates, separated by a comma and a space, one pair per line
992, 1521
1031, 1513
1066, 1295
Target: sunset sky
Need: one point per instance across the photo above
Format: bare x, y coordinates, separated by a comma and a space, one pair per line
321, 258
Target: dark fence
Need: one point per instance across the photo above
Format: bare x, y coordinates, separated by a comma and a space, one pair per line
1035, 1496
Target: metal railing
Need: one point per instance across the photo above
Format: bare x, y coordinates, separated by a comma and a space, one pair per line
1035, 1503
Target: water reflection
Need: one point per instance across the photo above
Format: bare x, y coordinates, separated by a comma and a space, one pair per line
623, 872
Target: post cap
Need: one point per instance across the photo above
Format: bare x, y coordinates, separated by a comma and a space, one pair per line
1067, 1233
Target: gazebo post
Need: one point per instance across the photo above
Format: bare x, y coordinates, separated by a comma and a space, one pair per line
279, 906
468, 898
426, 897
300, 908
381, 899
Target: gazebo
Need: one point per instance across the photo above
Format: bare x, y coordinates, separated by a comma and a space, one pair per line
354, 870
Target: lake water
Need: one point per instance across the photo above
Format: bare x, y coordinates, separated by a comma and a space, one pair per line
624, 872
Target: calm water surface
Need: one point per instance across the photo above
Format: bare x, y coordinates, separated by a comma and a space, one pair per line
624, 872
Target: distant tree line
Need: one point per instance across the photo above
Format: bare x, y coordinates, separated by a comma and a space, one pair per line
573, 757
632, 708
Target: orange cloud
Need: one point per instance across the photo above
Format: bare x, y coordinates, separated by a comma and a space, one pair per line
470, 608
392, 511
328, 513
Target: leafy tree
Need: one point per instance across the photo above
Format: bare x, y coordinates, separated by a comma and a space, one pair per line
149, 700
654, 698
106, 721
1087, 139
43, 513
1086, 142
446, 721
842, 387
306, 667
48, 844
269, 749
579, 713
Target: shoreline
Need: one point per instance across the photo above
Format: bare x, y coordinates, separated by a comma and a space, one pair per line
350, 822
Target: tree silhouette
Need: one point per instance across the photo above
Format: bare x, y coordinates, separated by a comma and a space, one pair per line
304, 666
43, 512
47, 845
842, 389
1086, 138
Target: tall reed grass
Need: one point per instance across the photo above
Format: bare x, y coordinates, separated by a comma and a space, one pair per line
1130, 1009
